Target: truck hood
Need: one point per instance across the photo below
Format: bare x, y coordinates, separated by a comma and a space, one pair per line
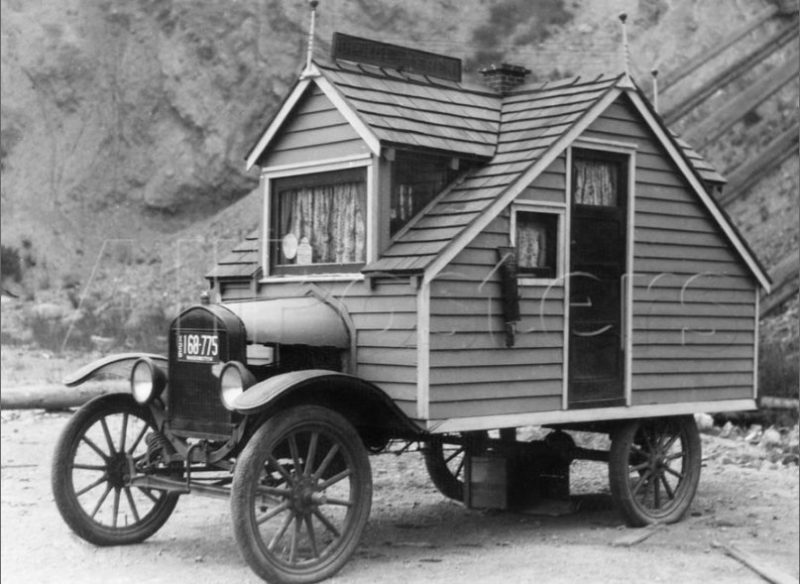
292, 321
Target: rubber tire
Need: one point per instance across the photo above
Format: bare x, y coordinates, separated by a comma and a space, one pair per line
247, 475
63, 488
448, 484
634, 513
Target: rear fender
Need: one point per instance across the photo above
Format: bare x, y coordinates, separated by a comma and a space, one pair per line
363, 403
118, 365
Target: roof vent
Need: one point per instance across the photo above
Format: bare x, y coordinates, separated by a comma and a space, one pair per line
503, 78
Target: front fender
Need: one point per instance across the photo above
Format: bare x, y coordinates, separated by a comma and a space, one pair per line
118, 365
363, 402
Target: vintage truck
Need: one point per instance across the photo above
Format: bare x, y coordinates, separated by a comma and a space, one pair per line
441, 263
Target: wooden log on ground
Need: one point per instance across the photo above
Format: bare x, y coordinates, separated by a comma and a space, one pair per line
725, 117
56, 396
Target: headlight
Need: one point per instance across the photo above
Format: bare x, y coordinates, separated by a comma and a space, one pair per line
233, 380
147, 380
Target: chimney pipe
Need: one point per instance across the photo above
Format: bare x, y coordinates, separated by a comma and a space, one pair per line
654, 73
504, 78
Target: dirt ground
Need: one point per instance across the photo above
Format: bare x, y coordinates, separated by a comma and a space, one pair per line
415, 534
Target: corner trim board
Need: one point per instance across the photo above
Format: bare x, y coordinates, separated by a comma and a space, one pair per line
423, 350
629, 259
756, 343
567, 267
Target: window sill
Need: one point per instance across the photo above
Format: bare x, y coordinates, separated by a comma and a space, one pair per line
342, 277
534, 281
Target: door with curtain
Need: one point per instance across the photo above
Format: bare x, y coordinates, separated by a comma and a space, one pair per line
598, 251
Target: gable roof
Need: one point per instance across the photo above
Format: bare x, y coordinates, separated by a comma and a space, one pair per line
515, 137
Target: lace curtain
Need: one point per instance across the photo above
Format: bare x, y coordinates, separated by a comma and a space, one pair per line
532, 241
331, 218
595, 182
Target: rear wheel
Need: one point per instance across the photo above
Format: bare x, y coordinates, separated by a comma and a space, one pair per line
95, 460
654, 468
445, 462
302, 492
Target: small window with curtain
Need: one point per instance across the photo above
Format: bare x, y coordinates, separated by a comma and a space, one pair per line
536, 240
319, 222
596, 181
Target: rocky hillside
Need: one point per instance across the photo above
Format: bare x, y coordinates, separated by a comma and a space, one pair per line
125, 124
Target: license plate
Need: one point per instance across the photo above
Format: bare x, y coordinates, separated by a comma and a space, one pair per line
195, 347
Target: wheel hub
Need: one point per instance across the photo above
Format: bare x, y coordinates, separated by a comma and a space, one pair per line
306, 496
119, 467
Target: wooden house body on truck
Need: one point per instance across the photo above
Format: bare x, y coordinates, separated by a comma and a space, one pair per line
436, 261
397, 203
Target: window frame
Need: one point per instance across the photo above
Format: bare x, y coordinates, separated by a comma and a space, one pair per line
560, 212
626, 151
454, 168
316, 272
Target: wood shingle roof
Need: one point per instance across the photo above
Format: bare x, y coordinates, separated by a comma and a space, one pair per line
504, 136
531, 119
413, 110
242, 263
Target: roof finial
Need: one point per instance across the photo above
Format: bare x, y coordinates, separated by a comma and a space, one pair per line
654, 73
626, 53
310, 53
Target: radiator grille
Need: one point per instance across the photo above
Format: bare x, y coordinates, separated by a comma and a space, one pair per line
193, 402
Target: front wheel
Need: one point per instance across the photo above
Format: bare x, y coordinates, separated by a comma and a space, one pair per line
654, 468
95, 460
301, 495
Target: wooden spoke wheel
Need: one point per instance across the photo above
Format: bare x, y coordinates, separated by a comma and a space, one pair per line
302, 492
95, 459
654, 468
445, 462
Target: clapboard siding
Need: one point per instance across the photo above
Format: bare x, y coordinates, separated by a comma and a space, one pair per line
684, 394
236, 290
314, 131
694, 340
472, 372
694, 299
666, 366
496, 406
654, 355
480, 341
707, 308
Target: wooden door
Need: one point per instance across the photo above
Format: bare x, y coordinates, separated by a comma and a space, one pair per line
597, 258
